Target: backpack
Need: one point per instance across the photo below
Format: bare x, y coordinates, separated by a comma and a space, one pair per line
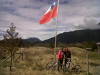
60, 54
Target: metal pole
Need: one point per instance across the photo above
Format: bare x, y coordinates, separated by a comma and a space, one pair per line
55, 45
56, 28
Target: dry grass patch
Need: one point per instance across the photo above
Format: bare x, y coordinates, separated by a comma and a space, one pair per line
36, 58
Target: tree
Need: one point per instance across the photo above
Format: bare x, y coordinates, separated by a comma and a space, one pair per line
11, 42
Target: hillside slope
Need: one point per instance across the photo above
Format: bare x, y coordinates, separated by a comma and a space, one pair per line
77, 36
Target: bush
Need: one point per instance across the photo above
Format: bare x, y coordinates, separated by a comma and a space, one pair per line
91, 45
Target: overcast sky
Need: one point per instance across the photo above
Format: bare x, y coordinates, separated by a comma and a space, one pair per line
25, 14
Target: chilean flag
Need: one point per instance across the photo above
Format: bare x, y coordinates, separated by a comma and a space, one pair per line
51, 13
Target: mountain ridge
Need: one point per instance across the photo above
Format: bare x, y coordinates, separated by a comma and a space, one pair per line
77, 36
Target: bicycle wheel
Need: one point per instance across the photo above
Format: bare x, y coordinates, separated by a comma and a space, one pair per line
51, 66
67, 66
76, 68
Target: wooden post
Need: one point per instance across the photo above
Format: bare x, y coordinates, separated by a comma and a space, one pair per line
21, 51
22, 56
11, 61
98, 46
88, 63
88, 68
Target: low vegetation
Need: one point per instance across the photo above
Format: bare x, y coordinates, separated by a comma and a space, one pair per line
36, 58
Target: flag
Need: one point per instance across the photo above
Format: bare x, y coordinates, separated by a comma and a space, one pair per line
51, 13
55, 10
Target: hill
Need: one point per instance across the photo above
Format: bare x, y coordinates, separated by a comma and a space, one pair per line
77, 36
31, 41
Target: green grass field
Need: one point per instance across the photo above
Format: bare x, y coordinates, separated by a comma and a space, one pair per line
36, 58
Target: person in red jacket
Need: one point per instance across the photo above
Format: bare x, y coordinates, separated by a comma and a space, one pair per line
60, 56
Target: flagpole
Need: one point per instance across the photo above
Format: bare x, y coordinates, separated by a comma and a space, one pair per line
55, 44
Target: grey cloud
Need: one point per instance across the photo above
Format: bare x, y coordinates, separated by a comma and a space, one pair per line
25, 14
50, 1
89, 23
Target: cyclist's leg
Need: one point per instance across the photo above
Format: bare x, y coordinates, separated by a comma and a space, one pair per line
61, 63
58, 64
65, 65
69, 64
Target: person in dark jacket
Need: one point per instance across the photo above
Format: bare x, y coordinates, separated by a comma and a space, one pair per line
67, 57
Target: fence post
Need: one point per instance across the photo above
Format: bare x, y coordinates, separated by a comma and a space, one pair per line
98, 46
88, 68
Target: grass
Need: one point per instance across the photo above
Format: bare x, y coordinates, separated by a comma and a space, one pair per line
36, 58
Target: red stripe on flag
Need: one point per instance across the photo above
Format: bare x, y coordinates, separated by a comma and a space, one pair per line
46, 18
55, 12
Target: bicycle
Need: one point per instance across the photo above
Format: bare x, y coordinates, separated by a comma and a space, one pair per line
70, 66
76, 68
